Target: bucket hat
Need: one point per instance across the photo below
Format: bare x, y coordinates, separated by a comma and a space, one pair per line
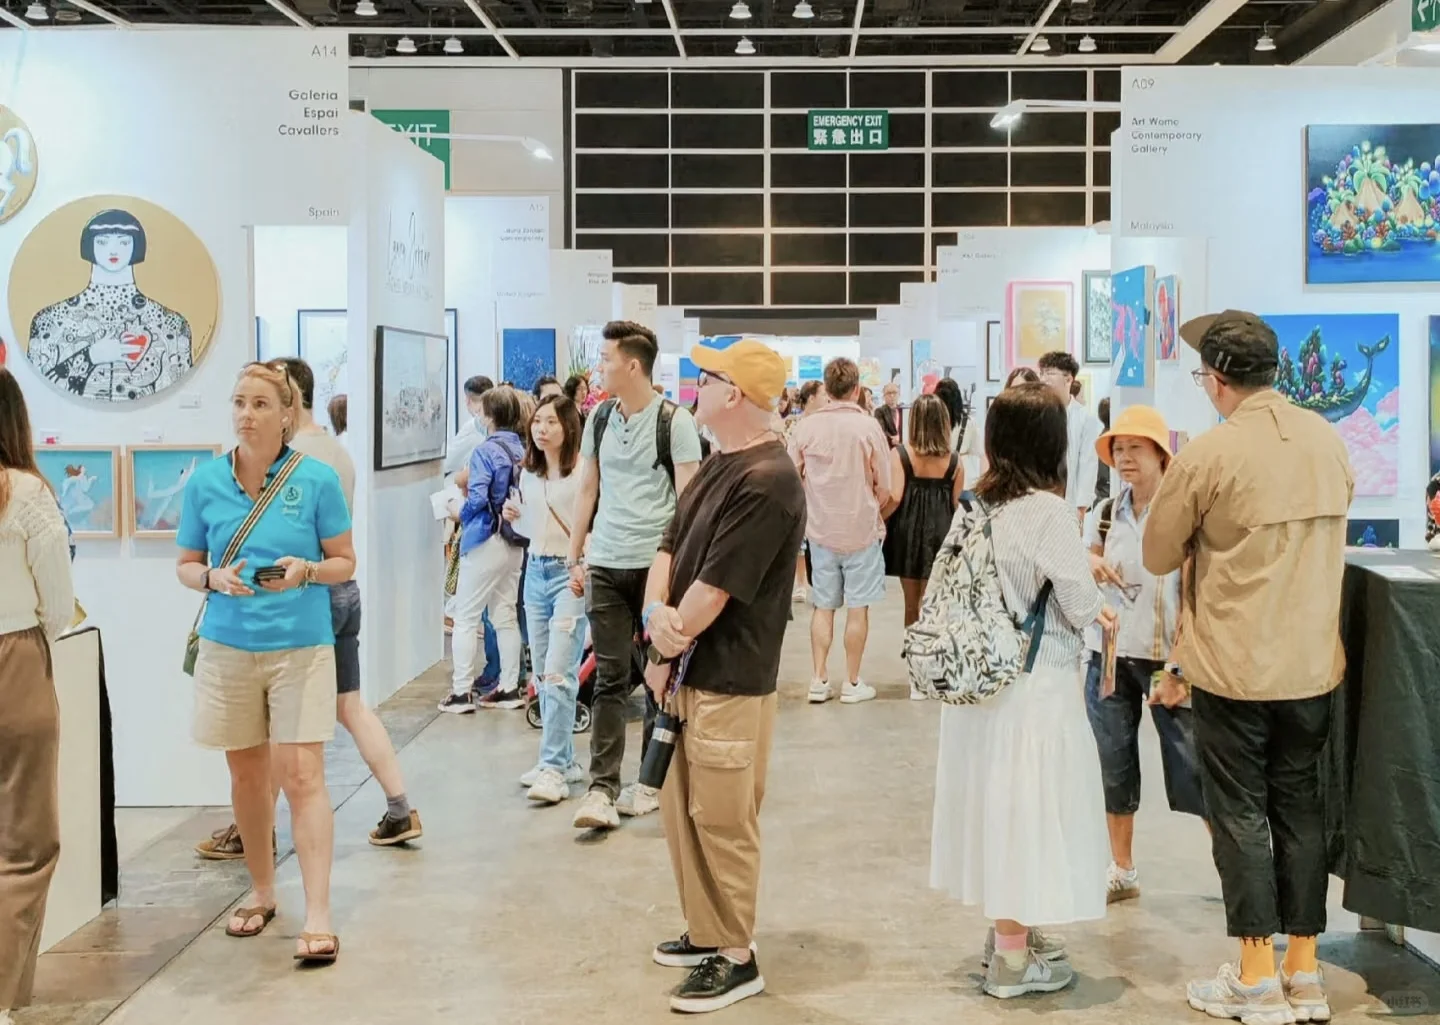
1135, 422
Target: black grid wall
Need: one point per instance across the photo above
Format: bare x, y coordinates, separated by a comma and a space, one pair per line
701, 183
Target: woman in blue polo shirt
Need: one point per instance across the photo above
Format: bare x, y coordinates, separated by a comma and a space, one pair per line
266, 666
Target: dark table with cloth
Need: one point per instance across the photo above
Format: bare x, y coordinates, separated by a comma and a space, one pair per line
1381, 773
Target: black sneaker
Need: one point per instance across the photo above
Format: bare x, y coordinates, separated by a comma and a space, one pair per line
501, 699
682, 953
458, 704
395, 831
718, 982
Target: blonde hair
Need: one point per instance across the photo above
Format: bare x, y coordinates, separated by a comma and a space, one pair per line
275, 375
929, 427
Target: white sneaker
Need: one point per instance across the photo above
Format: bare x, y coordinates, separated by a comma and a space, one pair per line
596, 811
1225, 996
1121, 884
918, 695
799, 596
1035, 975
1305, 992
854, 693
820, 692
549, 788
528, 780
577, 773
637, 799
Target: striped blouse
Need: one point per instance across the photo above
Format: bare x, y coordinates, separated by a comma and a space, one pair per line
1037, 538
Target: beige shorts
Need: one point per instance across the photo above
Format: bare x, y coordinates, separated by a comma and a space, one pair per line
246, 698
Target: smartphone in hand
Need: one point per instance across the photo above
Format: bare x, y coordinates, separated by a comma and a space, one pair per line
265, 574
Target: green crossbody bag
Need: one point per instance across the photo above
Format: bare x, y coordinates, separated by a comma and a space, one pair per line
267, 495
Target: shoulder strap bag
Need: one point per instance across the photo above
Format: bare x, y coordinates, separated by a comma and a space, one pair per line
267, 495
545, 490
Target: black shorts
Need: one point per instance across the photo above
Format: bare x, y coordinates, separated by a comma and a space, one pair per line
345, 616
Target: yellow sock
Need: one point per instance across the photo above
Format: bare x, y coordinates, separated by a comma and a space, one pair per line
1300, 956
1257, 960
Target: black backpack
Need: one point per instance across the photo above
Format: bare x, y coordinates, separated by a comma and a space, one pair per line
663, 420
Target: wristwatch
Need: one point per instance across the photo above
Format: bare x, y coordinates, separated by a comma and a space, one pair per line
572, 563
653, 656
205, 579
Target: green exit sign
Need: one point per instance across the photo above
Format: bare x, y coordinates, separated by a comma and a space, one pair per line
1424, 15
421, 127
838, 131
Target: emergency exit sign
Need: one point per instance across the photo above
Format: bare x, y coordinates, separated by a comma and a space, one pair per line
838, 131
1424, 15
421, 127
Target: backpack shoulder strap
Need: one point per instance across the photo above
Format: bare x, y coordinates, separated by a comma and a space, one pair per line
905, 463
664, 419
1106, 514
950, 470
601, 416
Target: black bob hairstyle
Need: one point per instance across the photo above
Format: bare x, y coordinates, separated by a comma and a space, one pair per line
113, 222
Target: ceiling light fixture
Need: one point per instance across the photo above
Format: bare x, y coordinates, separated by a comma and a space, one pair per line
803, 11
1041, 45
366, 9
1265, 44
1006, 118
741, 11
37, 12
406, 45
744, 48
536, 147
65, 14
1087, 44
453, 45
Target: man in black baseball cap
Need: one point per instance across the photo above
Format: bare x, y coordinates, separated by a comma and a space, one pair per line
1259, 504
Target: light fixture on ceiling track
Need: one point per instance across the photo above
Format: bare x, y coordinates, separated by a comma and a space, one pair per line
1265, 44
453, 45
803, 11
1041, 45
741, 11
37, 12
1087, 44
405, 46
536, 148
744, 48
366, 9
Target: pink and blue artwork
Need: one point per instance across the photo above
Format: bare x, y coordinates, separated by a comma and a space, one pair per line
1167, 318
1132, 327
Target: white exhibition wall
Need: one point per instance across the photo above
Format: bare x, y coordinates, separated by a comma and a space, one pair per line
296, 267
214, 104
397, 279
1257, 233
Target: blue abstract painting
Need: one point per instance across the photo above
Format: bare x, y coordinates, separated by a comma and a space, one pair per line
812, 368
1372, 533
527, 354
1132, 341
157, 485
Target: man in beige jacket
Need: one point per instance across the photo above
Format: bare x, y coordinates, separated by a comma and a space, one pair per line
1260, 502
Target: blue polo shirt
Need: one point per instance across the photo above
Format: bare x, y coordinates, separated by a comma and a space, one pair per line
309, 509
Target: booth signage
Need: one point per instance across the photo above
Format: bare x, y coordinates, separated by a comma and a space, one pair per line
1424, 15
844, 131
421, 127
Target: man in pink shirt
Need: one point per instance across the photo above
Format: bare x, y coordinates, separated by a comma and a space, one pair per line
844, 461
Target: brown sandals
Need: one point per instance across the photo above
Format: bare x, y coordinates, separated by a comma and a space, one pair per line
266, 915
325, 956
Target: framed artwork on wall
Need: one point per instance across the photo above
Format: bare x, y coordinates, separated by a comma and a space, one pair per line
155, 485
994, 351
1372, 533
1038, 319
86, 479
1095, 284
410, 372
452, 332
324, 342
1435, 397
526, 355
1133, 326
1167, 318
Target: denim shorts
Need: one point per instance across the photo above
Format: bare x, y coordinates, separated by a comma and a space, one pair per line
345, 616
855, 580
1115, 721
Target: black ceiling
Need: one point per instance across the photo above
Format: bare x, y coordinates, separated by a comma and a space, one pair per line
914, 29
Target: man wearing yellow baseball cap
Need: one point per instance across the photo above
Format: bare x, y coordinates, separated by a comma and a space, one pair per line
716, 606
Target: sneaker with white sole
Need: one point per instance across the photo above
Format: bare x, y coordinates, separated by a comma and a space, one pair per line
1305, 992
1034, 975
1050, 948
575, 774
636, 800
1225, 996
854, 693
799, 596
717, 982
682, 953
1121, 884
596, 811
820, 692
458, 704
549, 787
918, 695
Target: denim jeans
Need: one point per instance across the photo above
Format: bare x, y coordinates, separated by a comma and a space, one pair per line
557, 640
491, 671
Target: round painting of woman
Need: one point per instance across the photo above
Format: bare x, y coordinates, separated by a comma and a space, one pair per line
113, 298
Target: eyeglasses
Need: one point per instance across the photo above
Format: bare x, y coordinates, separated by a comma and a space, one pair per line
706, 376
1200, 375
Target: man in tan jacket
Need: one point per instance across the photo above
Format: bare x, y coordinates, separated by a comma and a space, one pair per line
1260, 503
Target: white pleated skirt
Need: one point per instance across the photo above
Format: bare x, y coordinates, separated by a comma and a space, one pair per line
1019, 823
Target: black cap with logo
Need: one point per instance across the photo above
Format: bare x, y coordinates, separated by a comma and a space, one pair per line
1233, 342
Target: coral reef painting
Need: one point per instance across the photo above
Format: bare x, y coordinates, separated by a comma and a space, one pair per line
1372, 203
1038, 320
1132, 338
1167, 317
528, 354
1095, 287
1372, 533
1346, 367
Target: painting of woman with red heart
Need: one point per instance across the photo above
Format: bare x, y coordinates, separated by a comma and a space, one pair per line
111, 342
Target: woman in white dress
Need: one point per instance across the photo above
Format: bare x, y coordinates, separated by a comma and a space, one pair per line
1019, 823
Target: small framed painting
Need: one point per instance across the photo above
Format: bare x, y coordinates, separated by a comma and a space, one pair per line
994, 351
1098, 316
324, 342
1038, 320
86, 479
410, 372
1166, 308
155, 492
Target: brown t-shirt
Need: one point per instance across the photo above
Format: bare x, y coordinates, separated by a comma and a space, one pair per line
738, 527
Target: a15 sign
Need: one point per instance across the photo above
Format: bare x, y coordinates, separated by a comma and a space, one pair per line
839, 131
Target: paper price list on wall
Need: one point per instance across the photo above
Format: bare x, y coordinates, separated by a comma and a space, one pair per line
1163, 154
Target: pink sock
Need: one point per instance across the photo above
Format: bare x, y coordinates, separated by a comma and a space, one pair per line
1010, 944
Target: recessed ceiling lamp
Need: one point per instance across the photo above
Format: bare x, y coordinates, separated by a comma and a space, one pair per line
1041, 45
366, 9
453, 45
741, 11
1087, 44
744, 48
406, 45
37, 12
803, 11
66, 15
1265, 44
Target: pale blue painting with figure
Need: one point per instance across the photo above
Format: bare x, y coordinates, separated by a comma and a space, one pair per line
527, 354
157, 485
812, 368
86, 483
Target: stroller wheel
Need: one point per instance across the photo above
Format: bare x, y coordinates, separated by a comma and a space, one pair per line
582, 718
532, 714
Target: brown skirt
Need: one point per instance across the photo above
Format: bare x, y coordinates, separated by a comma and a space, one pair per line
29, 806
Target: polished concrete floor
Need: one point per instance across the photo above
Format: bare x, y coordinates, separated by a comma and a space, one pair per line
503, 913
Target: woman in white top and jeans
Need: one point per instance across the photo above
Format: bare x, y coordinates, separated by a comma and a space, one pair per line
37, 602
555, 610
1019, 823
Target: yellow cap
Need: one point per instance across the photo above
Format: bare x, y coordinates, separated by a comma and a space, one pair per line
755, 368
1136, 422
